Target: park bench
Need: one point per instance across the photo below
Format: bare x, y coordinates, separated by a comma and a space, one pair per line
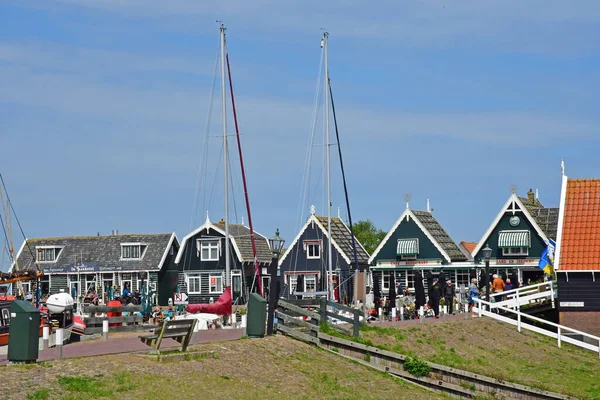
178, 329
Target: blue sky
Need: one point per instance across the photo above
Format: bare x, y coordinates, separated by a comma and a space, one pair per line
103, 107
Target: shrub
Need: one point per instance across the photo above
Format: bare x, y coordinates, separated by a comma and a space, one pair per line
416, 366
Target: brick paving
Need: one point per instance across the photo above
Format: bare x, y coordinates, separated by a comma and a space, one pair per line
129, 344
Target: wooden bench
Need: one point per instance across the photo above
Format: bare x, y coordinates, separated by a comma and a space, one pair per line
178, 329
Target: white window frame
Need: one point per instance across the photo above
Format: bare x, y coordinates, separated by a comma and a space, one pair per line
57, 250
209, 245
385, 276
141, 250
509, 251
411, 257
310, 280
190, 286
293, 279
313, 251
26, 285
463, 277
218, 283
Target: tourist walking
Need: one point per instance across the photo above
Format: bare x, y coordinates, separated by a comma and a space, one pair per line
449, 296
473, 293
434, 297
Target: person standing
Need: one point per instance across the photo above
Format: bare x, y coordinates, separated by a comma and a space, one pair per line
434, 297
449, 296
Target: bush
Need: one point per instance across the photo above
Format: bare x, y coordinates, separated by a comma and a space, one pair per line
416, 366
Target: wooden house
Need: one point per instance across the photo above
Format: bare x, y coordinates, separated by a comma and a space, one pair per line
417, 241
80, 263
577, 258
518, 236
201, 262
307, 256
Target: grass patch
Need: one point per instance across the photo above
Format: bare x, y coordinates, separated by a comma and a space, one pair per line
41, 394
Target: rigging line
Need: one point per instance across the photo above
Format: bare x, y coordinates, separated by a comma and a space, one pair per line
202, 163
231, 178
16, 217
339, 146
237, 131
7, 244
214, 185
304, 187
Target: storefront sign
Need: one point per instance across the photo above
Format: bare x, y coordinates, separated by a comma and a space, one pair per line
522, 261
410, 262
89, 267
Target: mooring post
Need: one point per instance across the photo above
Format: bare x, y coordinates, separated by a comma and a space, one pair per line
401, 313
105, 329
46, 336
356, 323
59, 342
323, 310
394, 316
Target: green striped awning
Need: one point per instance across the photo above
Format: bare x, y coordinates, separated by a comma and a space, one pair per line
407, 247
514, 239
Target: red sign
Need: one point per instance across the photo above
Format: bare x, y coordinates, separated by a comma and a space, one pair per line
213, 281
517, 261
415, 262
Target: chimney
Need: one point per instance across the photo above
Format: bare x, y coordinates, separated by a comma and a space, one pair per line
531, 195
115, 232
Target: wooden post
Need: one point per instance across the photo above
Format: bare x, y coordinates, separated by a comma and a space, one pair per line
356, 324
323, 310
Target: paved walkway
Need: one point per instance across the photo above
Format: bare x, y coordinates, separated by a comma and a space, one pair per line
129, 344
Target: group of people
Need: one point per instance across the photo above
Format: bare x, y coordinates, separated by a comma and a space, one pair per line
436, 294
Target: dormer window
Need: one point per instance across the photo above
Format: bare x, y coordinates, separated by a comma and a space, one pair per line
208, 250
132, 251
47, 254
313, 249
514, 243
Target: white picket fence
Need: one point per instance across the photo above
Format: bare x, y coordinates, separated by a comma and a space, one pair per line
484, 308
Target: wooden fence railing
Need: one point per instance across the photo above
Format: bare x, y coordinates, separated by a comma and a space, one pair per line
122, 323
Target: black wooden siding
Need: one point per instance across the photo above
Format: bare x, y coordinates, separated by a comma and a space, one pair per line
579, 288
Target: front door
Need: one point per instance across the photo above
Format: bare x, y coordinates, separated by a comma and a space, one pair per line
74, 290
266, 282
107, 290
236, 287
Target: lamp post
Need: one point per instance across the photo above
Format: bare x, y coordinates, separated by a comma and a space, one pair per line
487, 253
276, 242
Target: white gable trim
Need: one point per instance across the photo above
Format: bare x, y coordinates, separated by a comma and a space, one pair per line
408, 214
561, 221
207, 225
164, 257
17, 256
512, 201
313, 219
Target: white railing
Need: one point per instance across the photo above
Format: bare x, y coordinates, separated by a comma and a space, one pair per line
482, 308
525, 295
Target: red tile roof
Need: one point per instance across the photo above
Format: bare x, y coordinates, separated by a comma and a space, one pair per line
580, 243
470, 246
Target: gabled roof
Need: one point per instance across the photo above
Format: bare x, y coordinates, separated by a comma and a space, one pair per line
433, 230
467, 248
545, 217
240, 239
341, 240
100, 250
580, 239
514, 203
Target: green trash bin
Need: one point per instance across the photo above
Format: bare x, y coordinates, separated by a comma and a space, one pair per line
257, 316
23, 332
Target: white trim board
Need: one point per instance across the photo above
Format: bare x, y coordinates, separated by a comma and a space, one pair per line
509, 206
561, 220
409, 214
17, 256
207, 225
166, 253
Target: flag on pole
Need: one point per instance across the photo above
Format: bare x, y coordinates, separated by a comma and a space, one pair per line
547, 258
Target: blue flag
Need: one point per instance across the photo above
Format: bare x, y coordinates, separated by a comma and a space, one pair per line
547, 258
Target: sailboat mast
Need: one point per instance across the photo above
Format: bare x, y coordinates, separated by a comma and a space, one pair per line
225, 157
327, 146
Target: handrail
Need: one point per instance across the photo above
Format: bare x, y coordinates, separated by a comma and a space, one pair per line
528, 287
520, 315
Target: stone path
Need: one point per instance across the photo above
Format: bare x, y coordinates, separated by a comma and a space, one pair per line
129, 344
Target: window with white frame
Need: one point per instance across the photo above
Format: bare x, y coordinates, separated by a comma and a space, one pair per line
313, 249
193, 284
515, 251
26, 287
385, 282
462, 277
47, 254
310, 283
132, 251
215, 283
208, 249
293, 280
408, 257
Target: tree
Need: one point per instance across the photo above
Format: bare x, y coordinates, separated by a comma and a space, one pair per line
368, 235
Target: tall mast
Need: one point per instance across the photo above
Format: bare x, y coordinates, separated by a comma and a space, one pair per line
327, 145
225, 158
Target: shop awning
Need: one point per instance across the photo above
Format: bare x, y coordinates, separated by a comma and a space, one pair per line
407, 247
514, 239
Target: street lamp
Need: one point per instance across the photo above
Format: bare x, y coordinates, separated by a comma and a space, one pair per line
487, 253
276, 243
